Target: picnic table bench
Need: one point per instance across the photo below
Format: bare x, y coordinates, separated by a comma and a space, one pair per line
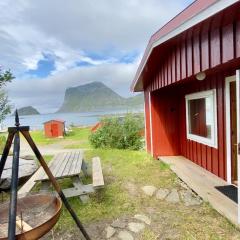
69, 165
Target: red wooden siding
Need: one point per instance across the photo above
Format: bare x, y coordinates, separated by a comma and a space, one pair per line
54, 128
169, 123
212, 46
198, 50
165, 124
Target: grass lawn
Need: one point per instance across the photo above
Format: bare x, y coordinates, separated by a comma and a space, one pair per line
125, 172
77, 138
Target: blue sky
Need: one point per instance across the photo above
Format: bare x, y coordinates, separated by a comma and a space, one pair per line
51, 45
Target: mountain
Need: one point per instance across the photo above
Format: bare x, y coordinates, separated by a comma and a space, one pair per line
136, 101
95, 96
29, 110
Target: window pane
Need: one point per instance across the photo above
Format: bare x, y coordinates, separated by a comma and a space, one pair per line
200, 116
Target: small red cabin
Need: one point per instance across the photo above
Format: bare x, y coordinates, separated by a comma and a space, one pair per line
54, 128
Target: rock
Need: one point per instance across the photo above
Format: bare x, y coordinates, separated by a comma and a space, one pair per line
26, 169
125, 235
173, 196
28, 157
136, 227
119, 224
131, 188
149, 190
143, 218
189, 198
162, 193
110, 231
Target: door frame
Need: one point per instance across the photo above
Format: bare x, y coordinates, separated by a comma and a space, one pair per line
238, 135
228, 80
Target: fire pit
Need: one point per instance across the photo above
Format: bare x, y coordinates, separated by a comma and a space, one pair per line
36, 215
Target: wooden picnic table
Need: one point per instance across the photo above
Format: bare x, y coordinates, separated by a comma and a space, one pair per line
69, 165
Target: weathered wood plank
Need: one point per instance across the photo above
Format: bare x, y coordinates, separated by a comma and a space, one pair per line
193, 176
85, 168
78, 184
72, 168
28, 186
51, 165
60, 162
57, 162
66, 171
73, 192
97, 174
42, 172
60, 171
22, 225
79, 161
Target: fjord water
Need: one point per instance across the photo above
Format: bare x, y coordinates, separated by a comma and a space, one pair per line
77, 119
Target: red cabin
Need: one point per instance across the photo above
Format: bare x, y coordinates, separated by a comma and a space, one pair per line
54, 128
190, 78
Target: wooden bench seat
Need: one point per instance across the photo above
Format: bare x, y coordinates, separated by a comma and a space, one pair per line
97, 175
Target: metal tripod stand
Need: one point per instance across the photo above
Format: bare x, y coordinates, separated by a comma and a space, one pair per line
13, 133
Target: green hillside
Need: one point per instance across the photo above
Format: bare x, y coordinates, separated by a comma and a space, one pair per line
96, 96
29, 110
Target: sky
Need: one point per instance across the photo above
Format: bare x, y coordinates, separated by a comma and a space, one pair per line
52, 45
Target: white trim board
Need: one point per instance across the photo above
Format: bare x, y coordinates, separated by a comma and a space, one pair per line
238, 135
150, 113
145, 124
201, 16
213, 142
228, 80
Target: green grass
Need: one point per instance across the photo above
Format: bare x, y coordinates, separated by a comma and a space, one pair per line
77, 138
119, 168
115, 200
39, 138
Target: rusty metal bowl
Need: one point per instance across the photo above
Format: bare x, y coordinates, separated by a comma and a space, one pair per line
41, 223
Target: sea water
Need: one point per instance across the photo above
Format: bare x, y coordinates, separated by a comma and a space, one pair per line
77, 119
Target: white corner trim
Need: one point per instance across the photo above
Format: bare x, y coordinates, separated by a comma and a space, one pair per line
238, 135
145, 124
204, 14
150, 113
213, 142
228, 80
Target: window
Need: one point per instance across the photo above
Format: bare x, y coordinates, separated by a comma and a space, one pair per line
202, 118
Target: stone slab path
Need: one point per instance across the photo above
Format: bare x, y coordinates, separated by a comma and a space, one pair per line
129, 230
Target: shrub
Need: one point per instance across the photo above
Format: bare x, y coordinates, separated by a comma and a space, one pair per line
117, 132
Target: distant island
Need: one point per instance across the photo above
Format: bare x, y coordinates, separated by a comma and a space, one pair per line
29, 110
96, 96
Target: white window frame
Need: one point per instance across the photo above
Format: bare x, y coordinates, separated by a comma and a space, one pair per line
213, 142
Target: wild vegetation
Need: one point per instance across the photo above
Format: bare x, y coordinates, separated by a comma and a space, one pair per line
5, 77
120, 133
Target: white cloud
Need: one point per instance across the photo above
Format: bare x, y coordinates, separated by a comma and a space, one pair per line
71, 32
47, 94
